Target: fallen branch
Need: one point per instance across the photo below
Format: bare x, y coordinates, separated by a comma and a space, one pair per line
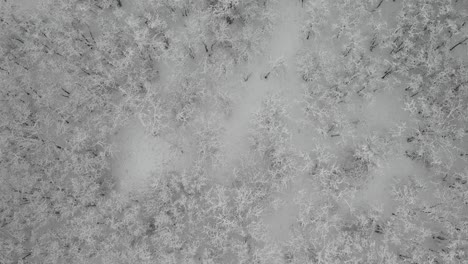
458, 44
377, 7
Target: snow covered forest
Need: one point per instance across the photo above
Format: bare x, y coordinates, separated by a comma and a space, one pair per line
234, 131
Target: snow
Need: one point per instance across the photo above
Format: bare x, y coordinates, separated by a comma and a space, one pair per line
139, 157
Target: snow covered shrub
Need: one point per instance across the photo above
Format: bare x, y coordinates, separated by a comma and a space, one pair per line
270, 138
321, 98
409, 230
243, 25
207, 132
423, 50
220, 34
